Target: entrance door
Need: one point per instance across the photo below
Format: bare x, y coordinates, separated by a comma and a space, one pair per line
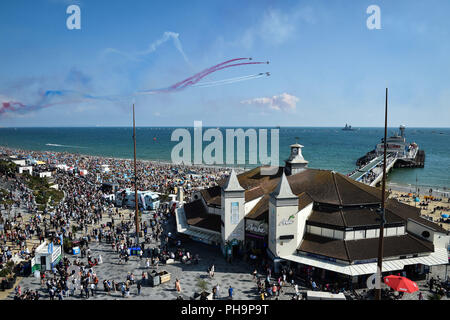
43, 263
235, 251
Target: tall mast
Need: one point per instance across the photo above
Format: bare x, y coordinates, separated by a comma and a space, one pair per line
383, 200
136, 215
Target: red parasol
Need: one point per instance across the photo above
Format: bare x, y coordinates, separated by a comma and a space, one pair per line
401, 284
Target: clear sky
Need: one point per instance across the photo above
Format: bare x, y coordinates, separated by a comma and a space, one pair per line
327, 68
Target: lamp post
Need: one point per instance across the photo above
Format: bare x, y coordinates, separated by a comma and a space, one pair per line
136, 204
382, 209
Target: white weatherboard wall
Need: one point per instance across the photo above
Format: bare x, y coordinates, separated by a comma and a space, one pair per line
302, 215
283, 220
419, 229
440, 240
251, 204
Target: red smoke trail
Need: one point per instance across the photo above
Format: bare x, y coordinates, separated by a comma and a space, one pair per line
217, 69
198, 76
206, 70
11, 106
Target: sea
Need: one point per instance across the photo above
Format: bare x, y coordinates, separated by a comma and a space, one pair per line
324, 148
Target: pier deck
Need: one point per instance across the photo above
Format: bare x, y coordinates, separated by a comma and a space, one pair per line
372, 172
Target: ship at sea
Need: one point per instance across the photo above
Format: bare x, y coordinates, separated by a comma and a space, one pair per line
348, 128
407, 155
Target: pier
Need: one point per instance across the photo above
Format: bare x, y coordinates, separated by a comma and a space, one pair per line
400, 154
372, 172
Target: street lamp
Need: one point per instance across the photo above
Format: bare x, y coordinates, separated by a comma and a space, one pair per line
382, 209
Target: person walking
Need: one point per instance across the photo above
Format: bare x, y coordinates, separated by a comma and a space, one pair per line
230, 293
177, 286
218, 291
93, 289
214, 291
274, 290
139, 288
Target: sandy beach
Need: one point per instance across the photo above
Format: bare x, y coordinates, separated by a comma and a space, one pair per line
434, 208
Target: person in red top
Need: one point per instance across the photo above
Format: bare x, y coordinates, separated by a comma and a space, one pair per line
42, 279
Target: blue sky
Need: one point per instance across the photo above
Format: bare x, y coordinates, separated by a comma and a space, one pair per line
327, 68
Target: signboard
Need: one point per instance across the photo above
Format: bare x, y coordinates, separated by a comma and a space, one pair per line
56, 253
256, 227
234, 212
287, 221
50, 247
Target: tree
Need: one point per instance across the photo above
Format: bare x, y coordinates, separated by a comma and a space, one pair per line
202, 285
434, 296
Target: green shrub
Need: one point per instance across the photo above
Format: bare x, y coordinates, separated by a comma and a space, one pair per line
202, 285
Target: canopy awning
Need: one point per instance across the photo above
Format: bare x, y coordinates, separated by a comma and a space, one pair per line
438, 257
184, 228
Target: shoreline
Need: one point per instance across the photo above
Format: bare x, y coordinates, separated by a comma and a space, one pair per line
422, 189
439, 191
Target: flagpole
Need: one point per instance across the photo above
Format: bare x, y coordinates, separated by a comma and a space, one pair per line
136, 204
383, 200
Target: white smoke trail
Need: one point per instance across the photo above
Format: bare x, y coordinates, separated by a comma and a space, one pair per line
227, 81
168, 35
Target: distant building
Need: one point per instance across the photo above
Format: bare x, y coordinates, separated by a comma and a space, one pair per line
311, 218
18, 161
25, 168
43, 174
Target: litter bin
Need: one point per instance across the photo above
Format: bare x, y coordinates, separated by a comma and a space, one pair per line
155, 280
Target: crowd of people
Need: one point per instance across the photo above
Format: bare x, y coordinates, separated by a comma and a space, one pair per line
81, 216
154, 176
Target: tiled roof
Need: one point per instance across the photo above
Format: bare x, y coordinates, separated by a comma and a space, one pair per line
406, 212
198, 216
364, 249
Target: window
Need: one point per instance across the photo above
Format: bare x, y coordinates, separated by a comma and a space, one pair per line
316, 230
360, 234
327, 233
401, 230
371, 233
391, 231
425, 234
349, 235
234, 212
338, 234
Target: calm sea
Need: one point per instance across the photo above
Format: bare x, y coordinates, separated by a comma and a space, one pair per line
325, 148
